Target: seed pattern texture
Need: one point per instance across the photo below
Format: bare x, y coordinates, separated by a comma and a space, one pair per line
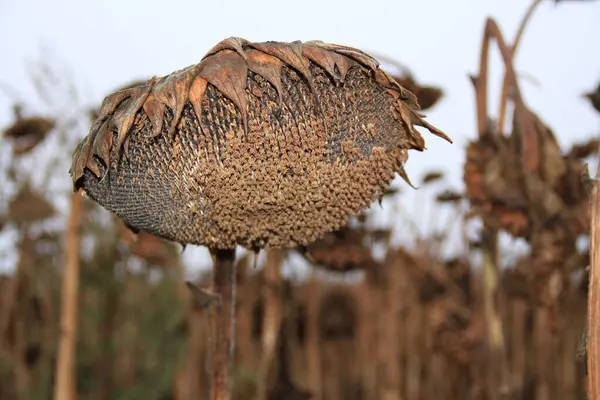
259, 145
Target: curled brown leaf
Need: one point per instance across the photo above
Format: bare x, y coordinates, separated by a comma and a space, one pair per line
432, 176
27, 133
427, 96
449, 196
594, 98
583, 150
29, 206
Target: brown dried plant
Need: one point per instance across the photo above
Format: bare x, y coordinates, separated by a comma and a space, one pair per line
427, 96
124, 117
590, 350
28, 132
259, 145
594, 98
522, 183
391, 321
29, 205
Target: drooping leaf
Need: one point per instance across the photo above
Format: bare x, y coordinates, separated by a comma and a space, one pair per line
29, 206
26, 133
449, 196
594, 98
431, 177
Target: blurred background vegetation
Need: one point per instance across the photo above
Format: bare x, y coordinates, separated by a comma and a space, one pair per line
357, 316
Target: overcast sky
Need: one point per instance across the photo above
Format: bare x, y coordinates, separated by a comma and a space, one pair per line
107, 43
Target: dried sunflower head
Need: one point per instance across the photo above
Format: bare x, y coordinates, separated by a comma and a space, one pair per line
259, 144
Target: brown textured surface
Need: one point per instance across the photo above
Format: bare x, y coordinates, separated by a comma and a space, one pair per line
258, 145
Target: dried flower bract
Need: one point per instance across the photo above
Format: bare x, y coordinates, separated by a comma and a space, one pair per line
258, 145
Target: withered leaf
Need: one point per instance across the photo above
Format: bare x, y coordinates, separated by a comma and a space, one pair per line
432, 176
82, 157
290, 54
236, 44
103, 143
360, 57
155, 111
392, 192
594, 98
343, 65
342, 62
419, 120
29, 206
407, 115
228, 73
174, 94
322, 58
196, 95
111, 102
123, 118
268, 67
449, 196
27, 133
583, 150
385, 80
427, 96
351, 52
405, 177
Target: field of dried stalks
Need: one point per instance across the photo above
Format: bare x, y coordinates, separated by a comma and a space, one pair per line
416, 325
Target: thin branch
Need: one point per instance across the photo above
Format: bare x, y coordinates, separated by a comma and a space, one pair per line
272, 318
522, 114
498, 373
64, 388
515, 46
480, 82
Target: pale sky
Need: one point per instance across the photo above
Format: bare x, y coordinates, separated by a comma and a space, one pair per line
107, 43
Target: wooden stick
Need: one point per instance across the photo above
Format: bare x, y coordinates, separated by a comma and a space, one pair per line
64, 388
593, 350
313, 339
498, 372
272, 318
498, 368
388, 347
